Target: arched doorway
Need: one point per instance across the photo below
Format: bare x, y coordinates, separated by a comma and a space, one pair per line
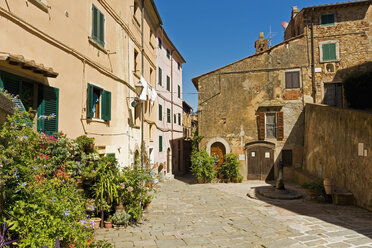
218, 150
168, 160
260, 159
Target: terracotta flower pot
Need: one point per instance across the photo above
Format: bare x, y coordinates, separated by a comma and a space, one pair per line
220, 176
200, 180
328, 186
97, 222
108, 224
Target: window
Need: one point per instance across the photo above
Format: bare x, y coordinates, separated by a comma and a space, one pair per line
98, 103
174, 118
333, 94
179, 91
135, 60
168, 115
179, 119
46, 101
98, 26
179, 65
151, 71
160, 143
168, 83
328, 51
292, 79
270, 125
160, 76
160, 112
168, 54
160, 43
327, 19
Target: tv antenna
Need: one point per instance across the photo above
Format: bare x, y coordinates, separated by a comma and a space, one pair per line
271, 35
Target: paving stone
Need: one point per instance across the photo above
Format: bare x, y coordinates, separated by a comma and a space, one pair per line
339, 245
170, 243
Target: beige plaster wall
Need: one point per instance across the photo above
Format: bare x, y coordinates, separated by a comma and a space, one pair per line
332, 136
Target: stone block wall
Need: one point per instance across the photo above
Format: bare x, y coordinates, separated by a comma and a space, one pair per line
338, 144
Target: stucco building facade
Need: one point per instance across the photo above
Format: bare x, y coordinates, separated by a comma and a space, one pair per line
169, 128
81, 61
254, 107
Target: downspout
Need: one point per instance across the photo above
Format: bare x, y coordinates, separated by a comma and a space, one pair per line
142, 71
312, 57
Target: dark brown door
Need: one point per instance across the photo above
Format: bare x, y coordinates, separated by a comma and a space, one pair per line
260, 162
218, 150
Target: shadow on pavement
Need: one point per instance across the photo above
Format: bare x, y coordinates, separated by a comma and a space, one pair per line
186, 178
350, 217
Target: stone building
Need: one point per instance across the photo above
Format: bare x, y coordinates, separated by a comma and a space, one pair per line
254, 107
82, 61
189, 123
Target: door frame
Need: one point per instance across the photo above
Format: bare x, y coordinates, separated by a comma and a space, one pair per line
254, 144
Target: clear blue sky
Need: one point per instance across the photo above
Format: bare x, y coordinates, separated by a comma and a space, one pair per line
212, 33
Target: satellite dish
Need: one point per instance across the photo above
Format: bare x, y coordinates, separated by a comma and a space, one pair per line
284, 25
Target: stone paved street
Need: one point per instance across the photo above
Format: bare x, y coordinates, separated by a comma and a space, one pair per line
221, 215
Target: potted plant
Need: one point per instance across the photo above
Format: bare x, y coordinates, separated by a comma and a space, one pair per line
97, 222
120, 218
108, 222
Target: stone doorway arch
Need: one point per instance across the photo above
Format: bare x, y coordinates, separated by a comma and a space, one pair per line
217, 146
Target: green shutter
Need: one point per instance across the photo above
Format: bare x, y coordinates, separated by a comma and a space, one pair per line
174, 118
327, 19
179, 91
179, 119
106, 105
329, 51
48, 104
160, 112
168, 115
160, 143
90, 101
160, 76
101, 29
168, 83
94, 23
1, 81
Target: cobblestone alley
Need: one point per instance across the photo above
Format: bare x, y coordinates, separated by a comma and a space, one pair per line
221, 215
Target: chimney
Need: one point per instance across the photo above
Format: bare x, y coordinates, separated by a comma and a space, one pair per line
261, 44
295, 11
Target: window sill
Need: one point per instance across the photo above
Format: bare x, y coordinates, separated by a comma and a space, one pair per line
98, 46
40, 5
136, 22
330, 61
96, 120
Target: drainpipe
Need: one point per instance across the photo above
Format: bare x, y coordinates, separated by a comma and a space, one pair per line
142, 71
312, 57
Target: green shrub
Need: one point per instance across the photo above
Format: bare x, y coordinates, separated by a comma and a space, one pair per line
231, 167
121, 218
202, 165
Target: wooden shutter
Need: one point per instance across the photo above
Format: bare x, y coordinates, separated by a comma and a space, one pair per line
168, 83
329, 51
160, 112
160, 143
94, 23
179, 119
90, 101
261, 126
168, 115
110, 155
174, 118
49, 105
101, 36
279, 126
12, 85
106, 105
160, 76
179, 91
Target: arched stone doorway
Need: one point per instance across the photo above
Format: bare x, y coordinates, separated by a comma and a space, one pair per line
260, 159
218, 150
169, 162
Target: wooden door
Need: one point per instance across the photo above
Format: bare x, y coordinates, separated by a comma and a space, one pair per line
260, 162
218, 150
